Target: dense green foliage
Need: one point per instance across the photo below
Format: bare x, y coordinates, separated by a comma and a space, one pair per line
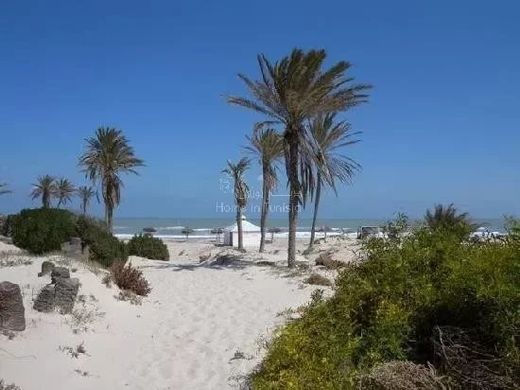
104, 247
42, 230
149, 247
393, 306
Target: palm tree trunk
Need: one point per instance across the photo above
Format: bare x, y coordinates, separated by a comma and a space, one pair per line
294, 196
265, 208
239, 224
45, 200
84, 207
109, 211
316, 205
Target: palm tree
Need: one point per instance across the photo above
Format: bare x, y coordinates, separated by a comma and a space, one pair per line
290, 92
267, 145
85, 193
64, 191
240, 190
44, 188
107, 156
330, 136
448, 219
3, 189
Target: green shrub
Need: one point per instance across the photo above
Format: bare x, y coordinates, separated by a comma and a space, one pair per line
42, 230
148, 247
104, 247
391, 307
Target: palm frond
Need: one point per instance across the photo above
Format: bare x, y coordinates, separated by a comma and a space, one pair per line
108, 154
296, 89
236, 171
63, 191
3, 189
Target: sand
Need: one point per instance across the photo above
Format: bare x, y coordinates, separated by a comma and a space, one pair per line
202, 326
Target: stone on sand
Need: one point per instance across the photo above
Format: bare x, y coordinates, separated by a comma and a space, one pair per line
12, 312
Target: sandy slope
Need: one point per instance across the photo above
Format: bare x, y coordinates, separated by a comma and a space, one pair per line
185, 334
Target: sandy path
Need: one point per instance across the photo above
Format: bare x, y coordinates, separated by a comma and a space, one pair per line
183, 336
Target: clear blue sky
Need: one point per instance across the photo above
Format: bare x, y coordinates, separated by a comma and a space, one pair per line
442, 125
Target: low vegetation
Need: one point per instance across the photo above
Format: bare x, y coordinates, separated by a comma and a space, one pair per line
104, 247
318, 280
148, 247
4, 386
42, 230
422, 299
129, 278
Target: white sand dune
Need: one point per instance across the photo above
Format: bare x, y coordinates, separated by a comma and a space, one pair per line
200, 327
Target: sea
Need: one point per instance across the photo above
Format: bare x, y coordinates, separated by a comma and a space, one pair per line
202, 227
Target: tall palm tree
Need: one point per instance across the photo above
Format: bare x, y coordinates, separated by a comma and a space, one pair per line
290, 92
267, 145
44, 188
3, 189
64, 191
107, 156
330, 136
85, 193
240, 191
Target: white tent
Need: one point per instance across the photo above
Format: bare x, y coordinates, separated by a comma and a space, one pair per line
246, 226
251, 234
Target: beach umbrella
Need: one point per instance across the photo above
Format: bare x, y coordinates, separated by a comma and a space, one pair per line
324, 229
187, 231
218, 232
274, 230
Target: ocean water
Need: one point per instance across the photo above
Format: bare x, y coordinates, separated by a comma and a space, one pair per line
172, 227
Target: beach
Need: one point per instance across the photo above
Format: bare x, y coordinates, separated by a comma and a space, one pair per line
204, 325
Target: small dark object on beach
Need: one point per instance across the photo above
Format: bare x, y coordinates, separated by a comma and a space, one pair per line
326, 260
318, 280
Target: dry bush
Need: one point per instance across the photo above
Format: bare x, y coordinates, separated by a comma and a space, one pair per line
14, 259
130, 278
129, 296
12, 386
402, 375
74, 352
318, 280
328, 262
107, 280
467, 362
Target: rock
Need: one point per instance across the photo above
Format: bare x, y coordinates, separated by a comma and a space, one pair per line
47, 267
66, 292
59, 273
45, 300
61, 295
12, 312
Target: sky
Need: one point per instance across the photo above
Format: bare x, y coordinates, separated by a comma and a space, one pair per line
441, 125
